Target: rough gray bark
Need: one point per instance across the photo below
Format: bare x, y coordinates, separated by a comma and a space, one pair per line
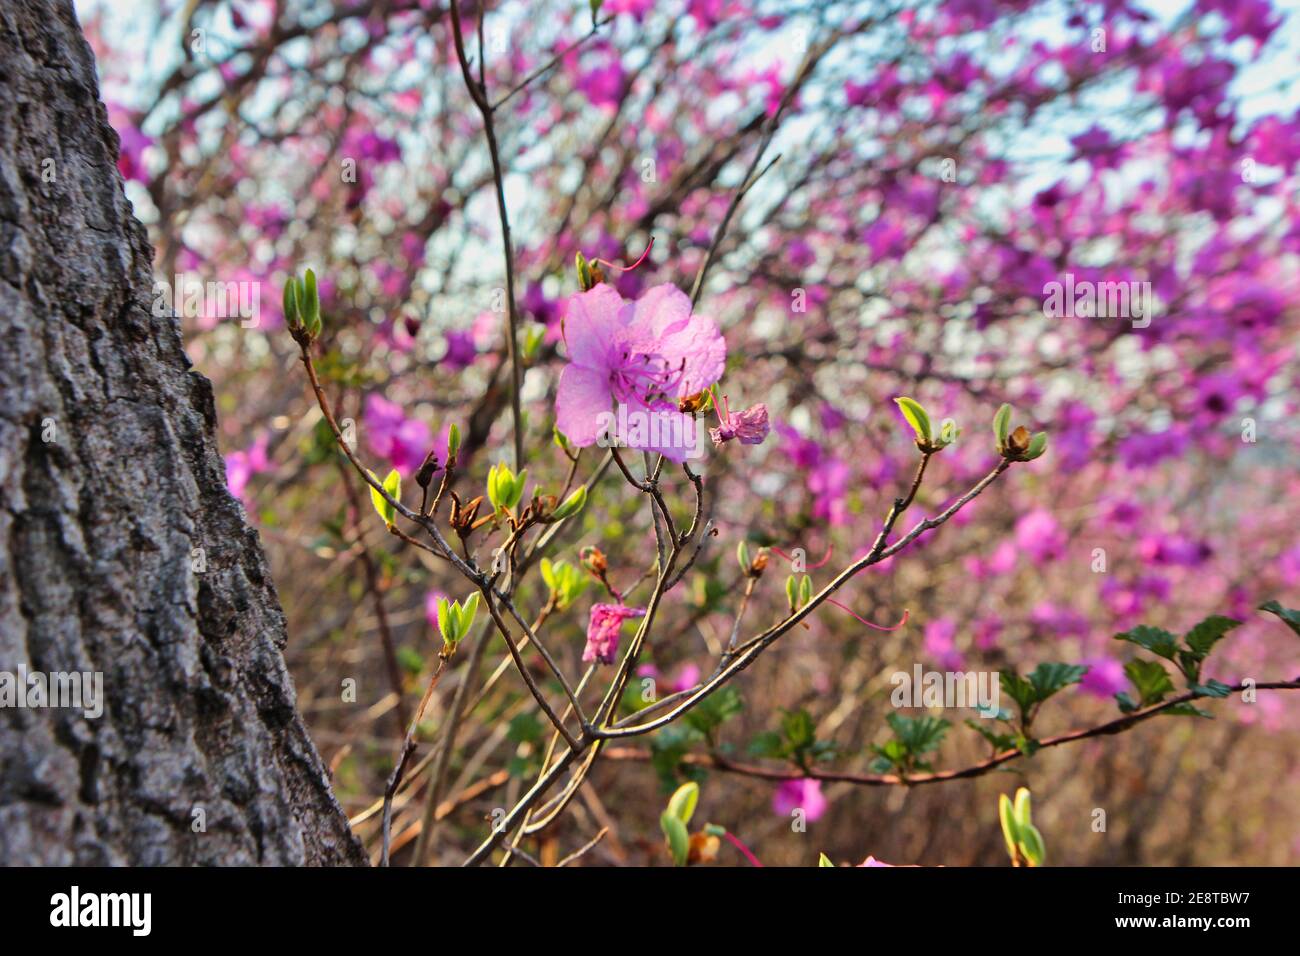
98, 526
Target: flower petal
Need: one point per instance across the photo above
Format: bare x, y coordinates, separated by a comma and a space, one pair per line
592, 323
581, 401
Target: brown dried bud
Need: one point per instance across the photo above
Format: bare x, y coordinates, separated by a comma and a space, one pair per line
593, 559
760, 563
425, 474
1018, 441
692, 404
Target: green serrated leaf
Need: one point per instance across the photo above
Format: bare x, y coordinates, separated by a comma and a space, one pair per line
1289, 616
1048, 678
1155, 639
1150, 680
1209, 632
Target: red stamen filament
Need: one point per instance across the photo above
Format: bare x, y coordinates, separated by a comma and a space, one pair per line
878, 627
735, 841
810, 567
611, 265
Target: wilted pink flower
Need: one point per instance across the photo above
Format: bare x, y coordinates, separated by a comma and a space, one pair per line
602, 630
803, 794
750, 426
645, 355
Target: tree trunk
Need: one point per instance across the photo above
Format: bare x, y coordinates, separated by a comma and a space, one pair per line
121, 550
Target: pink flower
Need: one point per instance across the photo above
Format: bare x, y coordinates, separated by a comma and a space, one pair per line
1105, 677
750, 426
802, 794
243, 465
403, 441
602, 630
643, 355
872, 861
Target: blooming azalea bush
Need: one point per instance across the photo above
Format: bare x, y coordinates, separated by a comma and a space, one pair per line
711, 364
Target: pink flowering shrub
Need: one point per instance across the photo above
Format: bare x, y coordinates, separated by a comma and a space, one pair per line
655, 520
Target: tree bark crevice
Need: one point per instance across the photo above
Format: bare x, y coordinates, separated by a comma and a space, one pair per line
121, 550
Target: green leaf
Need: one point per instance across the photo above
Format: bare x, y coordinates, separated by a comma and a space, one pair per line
823, 860
1150, 679
916, 417
453, 440
767, 744
1155, 639
1010, 829
805, 590
1018, 689
715, 709
1212, 688
548, 574
998, 741
1049, 678
571, 505
682, 803
742, 557
1209, 632
1031, 845
1002, 426
679, 841
382, 506
790, 592
1023, 808
1290, 617
467, 615
310, 304
799, 730
919, 735
393, 485
1188, 710
1037, 445
291, 318
446, 627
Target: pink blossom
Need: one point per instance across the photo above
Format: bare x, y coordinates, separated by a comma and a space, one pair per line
750, 426
803, 794
1039, 536
645, 355
602, 630
1105, 677
391, 435
243, 465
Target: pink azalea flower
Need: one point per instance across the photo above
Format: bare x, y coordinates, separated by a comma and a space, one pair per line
403, 441
750, 426
802, 794
243, 465
602, 630
644, 355
1105, 677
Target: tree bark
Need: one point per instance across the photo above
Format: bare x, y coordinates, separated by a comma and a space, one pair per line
121, 550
